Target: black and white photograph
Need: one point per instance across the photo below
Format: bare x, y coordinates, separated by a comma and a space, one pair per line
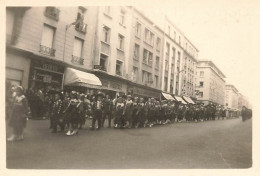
139, 85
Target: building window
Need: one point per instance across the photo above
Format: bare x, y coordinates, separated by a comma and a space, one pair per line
157, 64
106, 34
77, 47
200, 95
121, 42
167, 49
174, 35
165, 83
138, 30
150, 59
147, 57
148, 37
77, 51
135, 73
158, 43
166, 65
136, 52
144, 77
180, 40
122, 18
171, 86
156, 80
46, 46
103, 62
107, 10
119, 68
201, 74
201, 84
172, 69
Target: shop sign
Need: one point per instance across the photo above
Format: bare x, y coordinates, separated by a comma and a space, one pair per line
145, 92
50, 67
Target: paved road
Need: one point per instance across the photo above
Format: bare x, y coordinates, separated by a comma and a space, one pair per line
212, 144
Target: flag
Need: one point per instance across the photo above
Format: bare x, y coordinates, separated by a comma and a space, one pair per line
78, 21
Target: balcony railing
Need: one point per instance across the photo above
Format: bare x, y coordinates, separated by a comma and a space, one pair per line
77, 60
81, 27
52, 12
47, 51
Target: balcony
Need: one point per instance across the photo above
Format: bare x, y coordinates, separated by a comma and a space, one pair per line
77, 60
47, 51
81, 27
52, 12
119, 73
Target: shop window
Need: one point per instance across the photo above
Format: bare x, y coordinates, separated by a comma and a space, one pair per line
136, 52
121, 42
46, 46
52, 12
103, 62
106, 34
138, 30
119, 66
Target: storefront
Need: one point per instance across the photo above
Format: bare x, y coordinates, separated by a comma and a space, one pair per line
46, 75
188, 99
143, 91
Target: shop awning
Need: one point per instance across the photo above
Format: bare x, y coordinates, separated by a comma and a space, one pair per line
79, 78
180, 99
188, 99
167, 96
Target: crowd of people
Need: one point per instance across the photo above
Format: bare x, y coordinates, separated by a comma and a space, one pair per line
69, 111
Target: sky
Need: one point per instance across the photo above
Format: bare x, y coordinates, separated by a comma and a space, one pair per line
224, 31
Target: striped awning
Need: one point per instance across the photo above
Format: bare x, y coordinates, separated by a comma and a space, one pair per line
168, 96
180, 99
79, 78
188, 99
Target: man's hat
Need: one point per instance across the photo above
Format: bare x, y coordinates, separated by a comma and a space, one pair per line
100, 94
19, 88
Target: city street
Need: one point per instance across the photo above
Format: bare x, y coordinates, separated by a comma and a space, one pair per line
211, 144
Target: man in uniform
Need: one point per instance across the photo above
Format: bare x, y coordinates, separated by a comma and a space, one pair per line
56, 113
97, 110
135, 110
107, 113
128, 111
119, 109
141, 113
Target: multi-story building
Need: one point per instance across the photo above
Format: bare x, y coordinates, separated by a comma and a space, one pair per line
172, 58
210, 86
231, 96
43, 41
190, 56
119, 45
